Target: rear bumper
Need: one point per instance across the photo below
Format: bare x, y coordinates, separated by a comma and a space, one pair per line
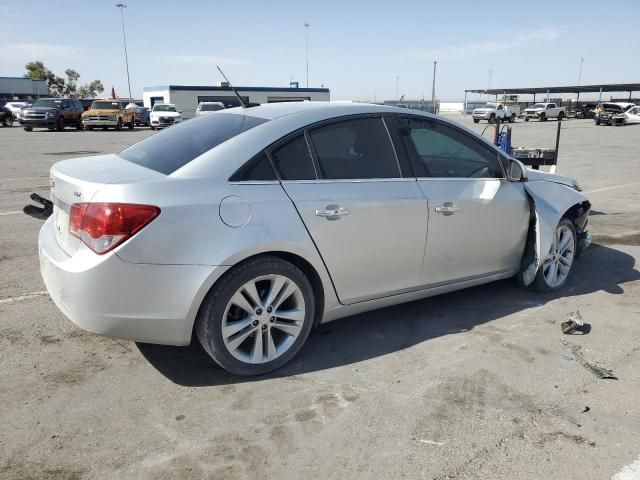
108, 296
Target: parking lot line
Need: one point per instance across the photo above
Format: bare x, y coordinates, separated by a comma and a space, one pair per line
17, 298
615, 187
10, 213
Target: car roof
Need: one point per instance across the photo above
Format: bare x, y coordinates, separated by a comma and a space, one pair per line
272, 111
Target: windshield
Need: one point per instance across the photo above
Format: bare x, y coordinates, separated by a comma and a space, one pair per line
537, 105
47, 103
611, 107
173, 148
105, 106
212, 107
164, 108
489, 105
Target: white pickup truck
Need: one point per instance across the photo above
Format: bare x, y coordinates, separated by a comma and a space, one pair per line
544, 111
493, 110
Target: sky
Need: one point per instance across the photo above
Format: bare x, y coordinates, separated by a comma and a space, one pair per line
361, 50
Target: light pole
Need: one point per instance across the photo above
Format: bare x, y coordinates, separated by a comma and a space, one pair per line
579, 77
122, 6
307, 27
433, 88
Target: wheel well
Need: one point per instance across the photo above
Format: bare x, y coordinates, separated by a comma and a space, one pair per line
309, 271
578, 215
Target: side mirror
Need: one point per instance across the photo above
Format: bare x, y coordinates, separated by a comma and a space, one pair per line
517, 171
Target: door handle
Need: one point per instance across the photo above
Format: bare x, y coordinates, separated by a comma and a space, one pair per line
332, 212
448, 208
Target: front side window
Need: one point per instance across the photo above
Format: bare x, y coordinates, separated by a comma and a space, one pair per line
105, 106
442, 151
171, 149
293, 161
355, 149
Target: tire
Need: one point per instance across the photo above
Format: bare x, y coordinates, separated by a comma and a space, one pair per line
131, 125
8, 122
512, 118
28, 129
79, 125
476, 120
544, 278
492, 118
560, 116
152, 127
543, 117
597, 122
119, 124
90, 129
60, 124
218, 308
526, 119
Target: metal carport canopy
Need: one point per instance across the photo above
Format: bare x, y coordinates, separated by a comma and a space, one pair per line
605, 87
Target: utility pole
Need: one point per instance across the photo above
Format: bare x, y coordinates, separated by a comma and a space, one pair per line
580, 77
307, 27
122, 6
397, 89
490, 73
433, 87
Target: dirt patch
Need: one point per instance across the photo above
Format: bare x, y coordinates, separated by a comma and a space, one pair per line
577, 439
624, 239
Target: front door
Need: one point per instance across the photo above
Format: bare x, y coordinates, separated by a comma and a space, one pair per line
478, 219
368, 222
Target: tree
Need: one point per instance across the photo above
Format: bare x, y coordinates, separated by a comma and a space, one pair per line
58, 86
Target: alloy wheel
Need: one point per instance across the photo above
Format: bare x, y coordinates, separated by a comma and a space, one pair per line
557, 266
263, 319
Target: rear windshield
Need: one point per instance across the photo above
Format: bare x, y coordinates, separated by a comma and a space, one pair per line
173, 148
211, 107
105, 106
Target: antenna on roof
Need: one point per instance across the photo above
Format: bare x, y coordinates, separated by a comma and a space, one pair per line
243, 103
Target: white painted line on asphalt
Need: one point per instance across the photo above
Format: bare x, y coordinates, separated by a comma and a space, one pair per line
22, 297
615, 187
629, 472
430, 442
11, 213
22, 178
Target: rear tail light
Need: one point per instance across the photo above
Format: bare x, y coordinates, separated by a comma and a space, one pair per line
104, 226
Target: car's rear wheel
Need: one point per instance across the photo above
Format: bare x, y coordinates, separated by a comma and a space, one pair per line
512, 118
131, 125
119, 124
554, 271
257, 317
60, 124
28, 129
79, 125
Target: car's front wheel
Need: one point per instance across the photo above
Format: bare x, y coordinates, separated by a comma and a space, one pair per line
257, 317
554, 271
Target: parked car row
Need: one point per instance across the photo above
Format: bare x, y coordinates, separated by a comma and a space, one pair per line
617, 114
60, 113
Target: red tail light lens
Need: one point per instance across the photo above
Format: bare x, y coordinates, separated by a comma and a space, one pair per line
104, 226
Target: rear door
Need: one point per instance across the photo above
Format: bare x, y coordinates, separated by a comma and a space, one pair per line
478, 220
360, 204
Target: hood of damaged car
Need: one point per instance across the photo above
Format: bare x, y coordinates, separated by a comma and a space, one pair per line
539, 176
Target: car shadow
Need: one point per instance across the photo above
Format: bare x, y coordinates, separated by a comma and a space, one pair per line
380, 332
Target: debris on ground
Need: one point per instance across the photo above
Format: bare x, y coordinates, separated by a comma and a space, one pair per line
575, 324
598, 371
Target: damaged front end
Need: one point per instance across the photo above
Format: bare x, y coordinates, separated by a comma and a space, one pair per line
549, 202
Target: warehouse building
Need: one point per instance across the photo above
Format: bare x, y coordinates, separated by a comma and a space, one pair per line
187, 97
20, 88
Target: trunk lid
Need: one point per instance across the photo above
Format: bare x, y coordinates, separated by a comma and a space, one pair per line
79, 179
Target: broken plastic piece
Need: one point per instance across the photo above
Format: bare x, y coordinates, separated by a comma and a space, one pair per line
598, 371
575, 323
41, 213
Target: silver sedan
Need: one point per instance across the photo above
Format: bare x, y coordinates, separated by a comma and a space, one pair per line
251, 226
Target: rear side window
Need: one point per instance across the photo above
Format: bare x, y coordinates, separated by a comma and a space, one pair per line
256, 169
293, 161
173, 148
355, 149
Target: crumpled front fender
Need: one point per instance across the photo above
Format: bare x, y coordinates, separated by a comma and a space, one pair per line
549, 202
